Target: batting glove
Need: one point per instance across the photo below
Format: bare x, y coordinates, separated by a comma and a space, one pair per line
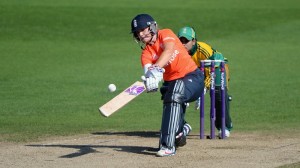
152, 78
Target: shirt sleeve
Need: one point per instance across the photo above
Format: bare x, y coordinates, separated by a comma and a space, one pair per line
167, 36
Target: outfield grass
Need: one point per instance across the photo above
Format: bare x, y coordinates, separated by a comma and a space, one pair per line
57, 59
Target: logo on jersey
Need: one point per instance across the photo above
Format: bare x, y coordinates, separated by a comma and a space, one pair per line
173, 57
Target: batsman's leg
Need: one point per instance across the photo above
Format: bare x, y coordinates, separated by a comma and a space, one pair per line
172, 117
183, 129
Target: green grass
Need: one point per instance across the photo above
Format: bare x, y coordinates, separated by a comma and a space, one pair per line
57, 59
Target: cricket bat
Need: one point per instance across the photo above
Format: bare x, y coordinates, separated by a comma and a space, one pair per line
122, 99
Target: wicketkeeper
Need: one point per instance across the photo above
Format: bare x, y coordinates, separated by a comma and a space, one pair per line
164, 58
202, 51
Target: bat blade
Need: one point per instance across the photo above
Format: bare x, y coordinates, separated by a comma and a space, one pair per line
122, 99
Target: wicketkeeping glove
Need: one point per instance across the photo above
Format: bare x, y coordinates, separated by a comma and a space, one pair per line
152, 78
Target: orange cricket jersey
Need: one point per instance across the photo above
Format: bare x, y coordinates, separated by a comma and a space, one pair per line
180, 63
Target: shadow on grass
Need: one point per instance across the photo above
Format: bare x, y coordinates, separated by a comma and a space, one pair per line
88, 149
152, 134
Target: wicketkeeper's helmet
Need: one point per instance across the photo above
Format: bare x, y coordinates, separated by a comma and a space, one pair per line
141, 22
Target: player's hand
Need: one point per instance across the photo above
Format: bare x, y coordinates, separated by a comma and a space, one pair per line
151, 84
155, 72
152, 78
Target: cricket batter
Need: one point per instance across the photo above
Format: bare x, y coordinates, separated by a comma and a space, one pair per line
164, 58
202, 51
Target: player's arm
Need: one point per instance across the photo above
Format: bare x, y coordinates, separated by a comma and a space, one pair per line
207, 77
146, 60
217, 56
153, 73
205, 53
166, 55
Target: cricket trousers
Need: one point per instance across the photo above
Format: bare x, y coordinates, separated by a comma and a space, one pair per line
174, 95
218, 106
